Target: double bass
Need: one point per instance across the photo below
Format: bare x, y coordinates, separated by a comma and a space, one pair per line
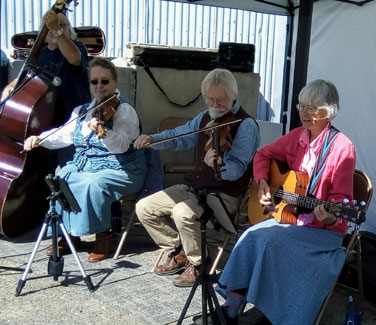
30, 109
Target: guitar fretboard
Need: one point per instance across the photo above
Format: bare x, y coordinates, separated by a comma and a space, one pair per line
345, 211
301, 200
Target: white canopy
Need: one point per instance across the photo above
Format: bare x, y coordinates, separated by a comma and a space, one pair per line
280, 7
341, 49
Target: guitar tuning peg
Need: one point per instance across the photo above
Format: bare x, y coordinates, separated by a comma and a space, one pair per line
363, 204
346, 201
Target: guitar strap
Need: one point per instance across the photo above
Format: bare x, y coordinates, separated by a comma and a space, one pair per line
321, 160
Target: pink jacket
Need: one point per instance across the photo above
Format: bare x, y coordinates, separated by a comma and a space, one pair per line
336, 182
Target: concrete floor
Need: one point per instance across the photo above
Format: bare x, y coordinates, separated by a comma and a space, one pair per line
126, 291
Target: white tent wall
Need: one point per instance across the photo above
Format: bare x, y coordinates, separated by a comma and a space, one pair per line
343, 51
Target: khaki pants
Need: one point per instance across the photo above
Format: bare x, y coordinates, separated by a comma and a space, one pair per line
177, 203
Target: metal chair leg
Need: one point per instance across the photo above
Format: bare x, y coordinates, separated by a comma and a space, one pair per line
161, 252
219, 255
359, 267
124, 235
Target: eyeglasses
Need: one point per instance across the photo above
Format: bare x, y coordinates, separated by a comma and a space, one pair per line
103, 82
307, 108
218, 101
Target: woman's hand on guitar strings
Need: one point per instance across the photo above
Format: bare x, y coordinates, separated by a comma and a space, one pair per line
264, 193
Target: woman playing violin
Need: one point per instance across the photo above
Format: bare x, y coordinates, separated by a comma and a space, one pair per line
103, 167
179, 202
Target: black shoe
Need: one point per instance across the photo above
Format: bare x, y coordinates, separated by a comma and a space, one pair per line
229, 321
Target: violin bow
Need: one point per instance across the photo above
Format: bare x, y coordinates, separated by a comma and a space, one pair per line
72, 120
208, 128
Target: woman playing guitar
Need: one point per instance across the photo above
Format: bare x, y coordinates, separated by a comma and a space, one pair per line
286, 270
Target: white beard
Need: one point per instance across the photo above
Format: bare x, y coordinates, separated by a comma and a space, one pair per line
214, 113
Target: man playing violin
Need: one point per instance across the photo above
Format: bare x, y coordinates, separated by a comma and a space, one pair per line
67, 60
103, 168
179, 202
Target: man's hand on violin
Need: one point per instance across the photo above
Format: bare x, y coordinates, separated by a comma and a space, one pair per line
31, 142
142, 141
211, 157
264, 193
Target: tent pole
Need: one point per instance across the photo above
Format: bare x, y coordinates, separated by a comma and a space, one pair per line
301, 57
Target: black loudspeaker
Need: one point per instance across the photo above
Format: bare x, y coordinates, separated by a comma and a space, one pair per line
175, 58
236, 57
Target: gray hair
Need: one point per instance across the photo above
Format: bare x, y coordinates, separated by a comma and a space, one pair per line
220, 77
323, 94
72, 32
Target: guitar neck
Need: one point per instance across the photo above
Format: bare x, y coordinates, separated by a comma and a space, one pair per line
301, 200
282, 179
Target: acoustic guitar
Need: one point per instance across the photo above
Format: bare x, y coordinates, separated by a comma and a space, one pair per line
288, 189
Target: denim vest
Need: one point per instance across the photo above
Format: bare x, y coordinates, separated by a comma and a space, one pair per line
92, 155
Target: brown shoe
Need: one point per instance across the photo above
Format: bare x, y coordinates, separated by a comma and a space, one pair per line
63, 247
188, 277
175, 262
102, 246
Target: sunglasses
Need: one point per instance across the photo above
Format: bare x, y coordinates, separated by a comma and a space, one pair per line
103, 82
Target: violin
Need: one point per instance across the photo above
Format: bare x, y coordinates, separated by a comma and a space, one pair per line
104, 113
220, 138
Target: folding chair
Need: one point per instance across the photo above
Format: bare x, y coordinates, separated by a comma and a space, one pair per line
154, 182
230, 224
362, 192
175, 166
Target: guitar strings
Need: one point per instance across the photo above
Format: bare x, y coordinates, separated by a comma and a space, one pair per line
299, 200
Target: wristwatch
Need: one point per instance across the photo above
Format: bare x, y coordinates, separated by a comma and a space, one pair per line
59, 32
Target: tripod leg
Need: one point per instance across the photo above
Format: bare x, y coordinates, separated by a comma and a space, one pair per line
86, 278
204, 298
212, 297
188, 302
22, 281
